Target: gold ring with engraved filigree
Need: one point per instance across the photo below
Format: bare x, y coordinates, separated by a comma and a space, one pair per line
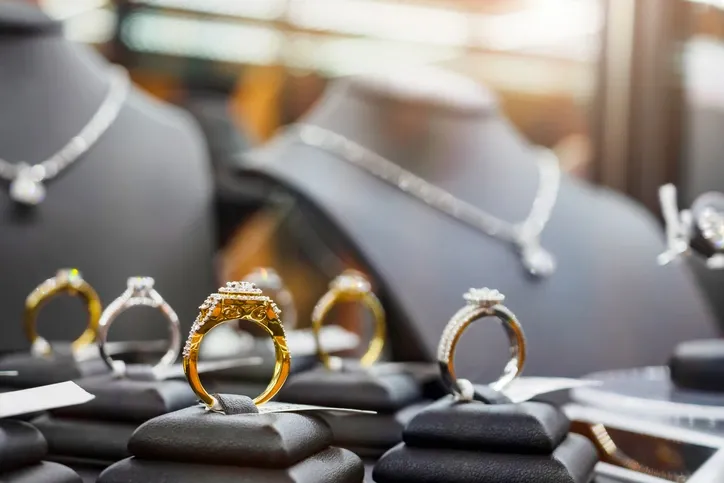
71, 282
481, 303
237, 301
350, 286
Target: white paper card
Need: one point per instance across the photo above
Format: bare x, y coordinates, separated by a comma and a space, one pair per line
526, 388
42, 398
277, 407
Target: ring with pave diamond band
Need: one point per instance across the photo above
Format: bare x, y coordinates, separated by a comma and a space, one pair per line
350, 286
237, 301
481, 303
139, 291
68, 281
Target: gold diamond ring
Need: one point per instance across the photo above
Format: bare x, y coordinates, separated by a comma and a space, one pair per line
350, 286
237, 301
481, 303
71, 282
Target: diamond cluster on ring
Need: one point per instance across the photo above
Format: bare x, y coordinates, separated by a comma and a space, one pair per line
351, 281
475, 298
140, 284
69, 275
245, 291
483, 297
242, 287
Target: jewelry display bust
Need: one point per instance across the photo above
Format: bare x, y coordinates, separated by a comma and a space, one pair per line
139, 200
606, 291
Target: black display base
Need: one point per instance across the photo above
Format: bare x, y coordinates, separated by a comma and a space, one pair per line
699, 365
572, 462
394, 394
370, 434
43, 472
356, 389
195, 435
100, 429
60, 366
22, 448
243, 445
121, 399
20, 445
332, 465
103, 441
525, 428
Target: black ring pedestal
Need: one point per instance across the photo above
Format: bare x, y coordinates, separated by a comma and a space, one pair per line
474, 442
395, 395
22, 450
242, 446
91, 436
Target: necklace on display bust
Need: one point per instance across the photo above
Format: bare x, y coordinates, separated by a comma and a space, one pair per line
525, 236
26, 180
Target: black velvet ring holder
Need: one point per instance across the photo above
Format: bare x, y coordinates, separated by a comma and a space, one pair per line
396, 396
241, 446
22, 449
474, 442
60, 366
91, 436
699, 365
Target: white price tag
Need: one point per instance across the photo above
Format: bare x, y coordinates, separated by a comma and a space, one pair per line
277, 407
526, 388
42, 398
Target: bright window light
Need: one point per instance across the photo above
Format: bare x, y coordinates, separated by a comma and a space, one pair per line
257, 9
387, 20
546, 23
338, 57
214, 40
64, 9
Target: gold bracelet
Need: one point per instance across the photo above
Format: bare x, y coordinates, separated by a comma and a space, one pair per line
350, 286
68, 281
237, 301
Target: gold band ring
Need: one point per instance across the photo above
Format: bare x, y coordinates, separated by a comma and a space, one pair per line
350, 286
481, 303
71, 282
237, 301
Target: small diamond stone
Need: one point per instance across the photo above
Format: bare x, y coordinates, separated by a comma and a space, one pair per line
140, 284
484, 297
71, 275
351, 281
242, 287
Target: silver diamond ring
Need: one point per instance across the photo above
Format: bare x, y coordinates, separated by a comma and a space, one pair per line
481, 303
139, 291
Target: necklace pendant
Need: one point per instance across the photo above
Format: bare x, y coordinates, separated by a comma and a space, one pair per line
25, 188
537, 260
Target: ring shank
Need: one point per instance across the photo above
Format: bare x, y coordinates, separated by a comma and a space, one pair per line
368, 299
42, 295
516, 338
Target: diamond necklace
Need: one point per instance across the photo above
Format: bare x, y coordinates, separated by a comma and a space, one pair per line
26, 180
525, 236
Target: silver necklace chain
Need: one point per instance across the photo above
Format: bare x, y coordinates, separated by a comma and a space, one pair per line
525, 236
26, 180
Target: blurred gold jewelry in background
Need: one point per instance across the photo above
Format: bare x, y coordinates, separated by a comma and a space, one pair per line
350, 286
68, 281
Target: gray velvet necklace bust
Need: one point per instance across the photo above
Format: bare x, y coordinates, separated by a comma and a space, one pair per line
138, 203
